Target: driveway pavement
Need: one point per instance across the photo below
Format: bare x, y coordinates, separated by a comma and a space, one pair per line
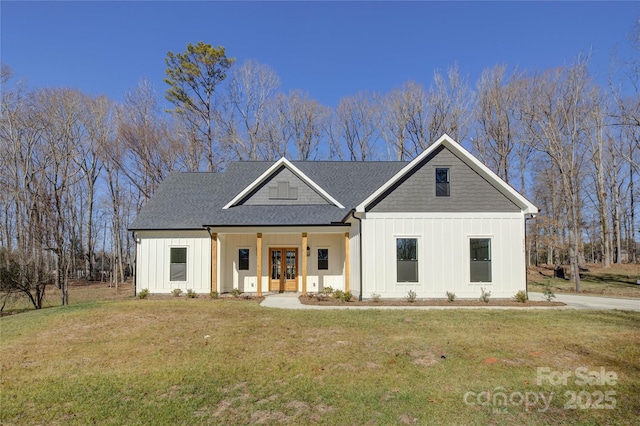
581, 301
291, 301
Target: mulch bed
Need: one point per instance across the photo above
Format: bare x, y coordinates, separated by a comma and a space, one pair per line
309, 300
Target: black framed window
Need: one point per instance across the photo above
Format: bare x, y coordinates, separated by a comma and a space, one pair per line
323, 258
178, 265
407, 260
442, 182
243, 259
480, 259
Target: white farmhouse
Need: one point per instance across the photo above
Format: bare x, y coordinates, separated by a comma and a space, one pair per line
442, 222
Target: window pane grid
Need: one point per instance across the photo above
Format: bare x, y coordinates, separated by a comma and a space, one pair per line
243, 259
480, 260
323, 258
442, 182
407, 259
178, 264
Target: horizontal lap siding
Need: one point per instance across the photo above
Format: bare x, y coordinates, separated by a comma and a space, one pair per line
443, 253
469, 192
305, 194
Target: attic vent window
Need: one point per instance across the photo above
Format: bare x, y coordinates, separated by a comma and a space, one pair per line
282, 191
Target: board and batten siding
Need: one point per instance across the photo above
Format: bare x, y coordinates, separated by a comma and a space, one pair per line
354, 256
154, 256
443, 253
416, 192
230, 276
246, 280
317, 279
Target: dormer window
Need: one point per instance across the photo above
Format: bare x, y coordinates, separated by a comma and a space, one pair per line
442, 182
282, 191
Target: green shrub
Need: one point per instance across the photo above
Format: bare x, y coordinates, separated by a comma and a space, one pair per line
191, 294
451, 296
236, 292
214, 295
176, 292
521, 296
484, 295
347, 296
338, 294
144, 293
327, 291
411, 296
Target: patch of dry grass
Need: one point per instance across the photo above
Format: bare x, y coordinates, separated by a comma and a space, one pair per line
618, 280
149, 362
79, 292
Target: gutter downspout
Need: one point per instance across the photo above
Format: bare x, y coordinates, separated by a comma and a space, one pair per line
353, 215
526, 260
135, 264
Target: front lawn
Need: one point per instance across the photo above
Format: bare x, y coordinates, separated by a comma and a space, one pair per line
202, 361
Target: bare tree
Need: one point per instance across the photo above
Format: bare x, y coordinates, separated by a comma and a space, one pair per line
598, 140
143, 150
59, 114
243, 119
403, 121
23, 261
557, 119
304, 120
355, 123
97, 121
449, 106
497, 125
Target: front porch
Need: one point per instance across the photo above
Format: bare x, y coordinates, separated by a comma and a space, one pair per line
297, 260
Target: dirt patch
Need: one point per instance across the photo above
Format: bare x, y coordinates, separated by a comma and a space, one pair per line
406, 419
310, 300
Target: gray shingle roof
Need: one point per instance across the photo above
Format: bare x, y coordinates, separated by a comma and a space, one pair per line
194, 200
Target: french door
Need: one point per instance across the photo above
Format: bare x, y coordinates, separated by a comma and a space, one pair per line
283, 269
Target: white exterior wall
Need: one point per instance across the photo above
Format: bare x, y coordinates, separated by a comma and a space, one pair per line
153, 260
231, 277
332, 277
443, 253
354, 255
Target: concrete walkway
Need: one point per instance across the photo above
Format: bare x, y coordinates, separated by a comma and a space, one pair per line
291, 301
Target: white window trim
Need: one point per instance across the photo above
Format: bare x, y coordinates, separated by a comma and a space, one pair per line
236, 260
467, 268
314, 250
420, 261
435, 184
171, 246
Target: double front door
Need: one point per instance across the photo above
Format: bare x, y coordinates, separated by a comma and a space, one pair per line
283, 267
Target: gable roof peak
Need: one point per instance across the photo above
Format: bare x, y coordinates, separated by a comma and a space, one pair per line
526, 206
282, 162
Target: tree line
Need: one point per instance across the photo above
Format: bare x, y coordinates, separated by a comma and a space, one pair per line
77, 168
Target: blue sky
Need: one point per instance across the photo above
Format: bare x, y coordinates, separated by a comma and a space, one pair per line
330, 49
